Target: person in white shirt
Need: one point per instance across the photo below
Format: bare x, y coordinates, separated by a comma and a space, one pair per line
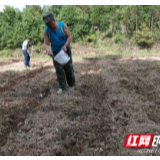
25, 47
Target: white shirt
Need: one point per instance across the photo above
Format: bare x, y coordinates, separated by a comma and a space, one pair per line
25, 45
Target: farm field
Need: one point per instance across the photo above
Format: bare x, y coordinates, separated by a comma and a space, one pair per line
114, 96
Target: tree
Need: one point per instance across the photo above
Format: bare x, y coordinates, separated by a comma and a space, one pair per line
117, 20
100, 17
9, 15
144, 36
130, 20
6, 28
55, 9
77, 21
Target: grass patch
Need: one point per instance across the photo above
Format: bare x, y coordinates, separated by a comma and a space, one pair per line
6, 53
103, 48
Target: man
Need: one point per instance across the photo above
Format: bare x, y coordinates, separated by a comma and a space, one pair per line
25, 47
57, 33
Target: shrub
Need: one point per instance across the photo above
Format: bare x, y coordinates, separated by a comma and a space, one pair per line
118, 37
144, 37
109, 34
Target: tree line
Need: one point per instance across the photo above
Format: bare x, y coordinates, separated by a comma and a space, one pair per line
83, 22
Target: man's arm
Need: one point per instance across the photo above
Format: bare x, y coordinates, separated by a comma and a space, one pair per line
68, 36
27, 48
46, 44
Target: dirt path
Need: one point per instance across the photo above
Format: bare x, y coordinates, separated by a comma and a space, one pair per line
114, 96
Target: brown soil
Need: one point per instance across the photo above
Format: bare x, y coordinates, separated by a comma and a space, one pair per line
113, 97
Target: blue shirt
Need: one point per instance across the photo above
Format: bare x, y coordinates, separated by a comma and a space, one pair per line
57, 38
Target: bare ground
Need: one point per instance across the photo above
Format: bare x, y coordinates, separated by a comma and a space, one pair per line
114, 96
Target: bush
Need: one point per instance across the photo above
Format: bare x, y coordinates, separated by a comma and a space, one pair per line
90, 38
109, 34
118, 37
144, 37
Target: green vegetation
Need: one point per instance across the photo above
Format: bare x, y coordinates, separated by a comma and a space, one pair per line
111, 28
144, 36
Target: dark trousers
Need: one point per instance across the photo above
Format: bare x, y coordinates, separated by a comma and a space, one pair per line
26, 58
65, 74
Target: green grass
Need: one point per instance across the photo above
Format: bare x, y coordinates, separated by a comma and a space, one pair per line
6, 53
86, 50
99, 55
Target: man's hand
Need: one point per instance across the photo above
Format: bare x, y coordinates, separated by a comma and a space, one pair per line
28, 51
50, 54
64, 48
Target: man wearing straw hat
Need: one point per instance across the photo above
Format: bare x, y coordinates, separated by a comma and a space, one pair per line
57, 33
